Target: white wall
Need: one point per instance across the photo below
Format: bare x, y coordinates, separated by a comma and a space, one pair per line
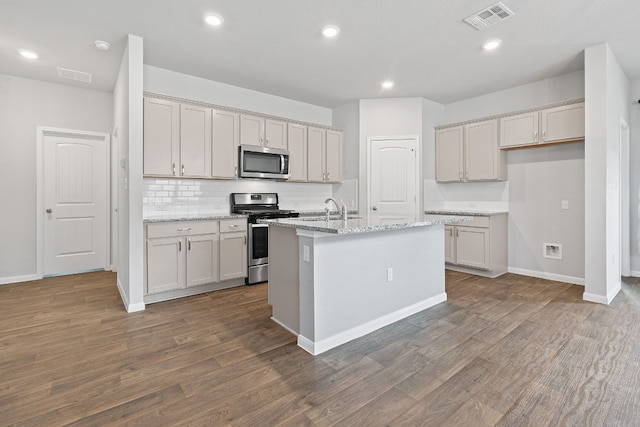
607, 100
385, 117
538, 180
634, 191
165, 82
24, 105
128, 120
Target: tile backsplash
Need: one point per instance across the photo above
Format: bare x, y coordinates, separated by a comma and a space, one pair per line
212, 196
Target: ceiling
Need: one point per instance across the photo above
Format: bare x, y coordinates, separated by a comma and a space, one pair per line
275, 46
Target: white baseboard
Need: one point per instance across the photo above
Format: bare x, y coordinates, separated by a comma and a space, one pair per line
548, 276
602, 299
318, 347
634, 273
284, 326
131, 308
17, 279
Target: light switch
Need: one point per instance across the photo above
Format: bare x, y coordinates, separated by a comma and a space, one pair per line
565, 204
305, 253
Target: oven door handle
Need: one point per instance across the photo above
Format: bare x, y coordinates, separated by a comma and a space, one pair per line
259, 225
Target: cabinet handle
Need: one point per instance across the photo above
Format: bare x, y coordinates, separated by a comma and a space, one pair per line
233, 226
328, 178
544, 135
182, 169
266, 141
535, 136
179, 245
174, 169
466, 175
460, 176
189, 244
244, 238
184, 229
235, 171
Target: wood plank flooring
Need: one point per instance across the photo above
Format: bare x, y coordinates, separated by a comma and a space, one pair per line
512, 351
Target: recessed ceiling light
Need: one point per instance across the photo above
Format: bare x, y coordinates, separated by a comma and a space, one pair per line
213, 19
491, 44
29, 54
387, 84
102, 45
330, 31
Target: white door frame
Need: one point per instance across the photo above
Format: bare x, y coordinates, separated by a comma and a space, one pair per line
41, 132
625, 212
418, 170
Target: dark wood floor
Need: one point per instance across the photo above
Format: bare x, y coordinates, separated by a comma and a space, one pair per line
512, 351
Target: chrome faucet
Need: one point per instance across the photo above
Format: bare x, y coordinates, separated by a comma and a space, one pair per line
342, 210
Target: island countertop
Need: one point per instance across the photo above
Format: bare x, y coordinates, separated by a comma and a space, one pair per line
363, 223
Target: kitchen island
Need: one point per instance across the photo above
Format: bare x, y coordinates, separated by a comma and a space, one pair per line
331, 281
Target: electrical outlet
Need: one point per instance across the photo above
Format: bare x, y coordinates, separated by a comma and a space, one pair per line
305, 253
565, 204
389, 274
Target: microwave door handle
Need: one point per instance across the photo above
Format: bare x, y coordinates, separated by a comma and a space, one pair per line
281, 163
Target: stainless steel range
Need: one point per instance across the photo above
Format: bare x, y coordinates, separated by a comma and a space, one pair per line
258, 206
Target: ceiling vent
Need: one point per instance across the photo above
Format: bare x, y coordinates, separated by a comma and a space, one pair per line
74, 75
489, 17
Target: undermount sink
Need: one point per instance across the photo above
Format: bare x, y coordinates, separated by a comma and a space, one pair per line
324, 218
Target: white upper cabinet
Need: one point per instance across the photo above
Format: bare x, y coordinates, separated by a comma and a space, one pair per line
333, 156
483, 159
548, 126
161, 141
518, 130
225, 140
275, 134
565, 123
261, 132
470, 153
449, 154
251, 130
195, 141
297, 146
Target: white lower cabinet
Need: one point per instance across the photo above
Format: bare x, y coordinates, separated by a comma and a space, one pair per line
184, 254
478, 246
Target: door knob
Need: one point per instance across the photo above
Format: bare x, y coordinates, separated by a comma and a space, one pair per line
375, 208
48, 210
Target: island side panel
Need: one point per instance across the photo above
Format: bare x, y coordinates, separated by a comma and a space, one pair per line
344, 288
283, 284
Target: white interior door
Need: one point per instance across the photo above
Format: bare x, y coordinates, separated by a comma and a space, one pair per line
75, 198
392, 176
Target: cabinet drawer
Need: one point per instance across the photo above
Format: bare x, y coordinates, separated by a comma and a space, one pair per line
181, 228
232, 225
477, 221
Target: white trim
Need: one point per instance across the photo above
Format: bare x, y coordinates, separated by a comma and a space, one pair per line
17, 279
418, 168
131, 308
635, 273
41, 132
625, 231
317, 347
548, 276
601, 299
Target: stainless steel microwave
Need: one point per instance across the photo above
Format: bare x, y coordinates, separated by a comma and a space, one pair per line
262, 162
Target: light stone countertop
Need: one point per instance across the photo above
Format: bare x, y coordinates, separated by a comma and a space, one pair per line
466, 211
174, 216
363, 224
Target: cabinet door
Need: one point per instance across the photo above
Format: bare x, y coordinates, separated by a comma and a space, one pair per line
275, 134
449, 244
165, 264
482, 154
333, 156
315, 149
225, 140
233, 255
472, 247
202, 259
161, 140
519, 130
251, 130
195, 141
449, 154
297, 146
564, 123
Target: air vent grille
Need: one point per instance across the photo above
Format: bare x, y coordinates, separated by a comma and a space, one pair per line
489, 17
80, 76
